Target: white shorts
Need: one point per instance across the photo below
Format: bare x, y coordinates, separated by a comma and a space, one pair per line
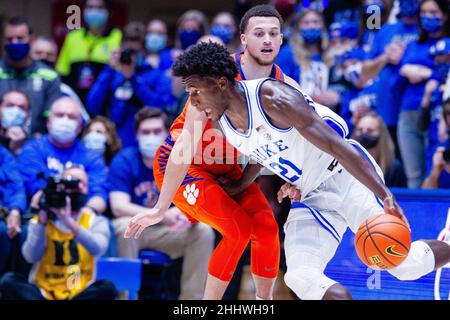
315, 226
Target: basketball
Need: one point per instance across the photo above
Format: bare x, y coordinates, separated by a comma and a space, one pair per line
383, 242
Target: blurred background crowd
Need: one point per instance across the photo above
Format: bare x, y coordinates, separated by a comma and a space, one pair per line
94, 103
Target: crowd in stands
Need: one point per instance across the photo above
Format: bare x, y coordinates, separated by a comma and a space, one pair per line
96, 109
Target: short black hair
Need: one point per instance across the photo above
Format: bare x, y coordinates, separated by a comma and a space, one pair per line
19, 20
206, 59
263, 10
148, 113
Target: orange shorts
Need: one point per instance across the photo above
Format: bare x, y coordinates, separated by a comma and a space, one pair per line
240, 219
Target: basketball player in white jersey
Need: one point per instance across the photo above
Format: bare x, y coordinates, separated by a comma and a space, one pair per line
283, 130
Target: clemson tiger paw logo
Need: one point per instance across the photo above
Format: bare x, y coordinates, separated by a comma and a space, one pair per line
190, 193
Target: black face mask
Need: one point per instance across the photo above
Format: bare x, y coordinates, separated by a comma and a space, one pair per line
77, 200
368, 141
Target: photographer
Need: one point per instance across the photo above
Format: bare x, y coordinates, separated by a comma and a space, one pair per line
52, 153
12, 204
63, 244
125, 86
439, 176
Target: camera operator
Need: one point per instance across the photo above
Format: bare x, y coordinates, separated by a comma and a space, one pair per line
439, 176
12, 204
126, 85
63, 244
60, 149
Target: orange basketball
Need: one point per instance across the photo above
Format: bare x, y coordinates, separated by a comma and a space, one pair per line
383, 241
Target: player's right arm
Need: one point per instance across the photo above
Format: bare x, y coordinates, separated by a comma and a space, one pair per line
177, 166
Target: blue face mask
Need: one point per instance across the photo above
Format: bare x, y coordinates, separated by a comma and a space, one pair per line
95, 17
223, 32
409, 8
13, 117
17, 51
311, 35
431, 24
442, 70
189, 38
155, 42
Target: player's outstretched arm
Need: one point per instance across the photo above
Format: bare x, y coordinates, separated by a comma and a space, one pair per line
177, 166
288, 108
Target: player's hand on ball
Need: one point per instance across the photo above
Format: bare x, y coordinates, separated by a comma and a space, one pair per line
289, 190
391, 207
142, 220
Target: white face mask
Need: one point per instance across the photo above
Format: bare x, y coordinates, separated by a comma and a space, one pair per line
148, 144
63, 130
353, 73
95, 141
13, 117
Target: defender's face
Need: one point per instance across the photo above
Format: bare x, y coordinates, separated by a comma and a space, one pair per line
262, 39
205, 96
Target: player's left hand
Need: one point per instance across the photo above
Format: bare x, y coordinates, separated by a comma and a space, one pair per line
391, 207
289, 190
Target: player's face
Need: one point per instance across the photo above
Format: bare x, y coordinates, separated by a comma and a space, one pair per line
206, 96
262, 39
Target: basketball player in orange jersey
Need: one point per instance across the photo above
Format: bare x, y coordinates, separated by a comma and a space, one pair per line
246, 216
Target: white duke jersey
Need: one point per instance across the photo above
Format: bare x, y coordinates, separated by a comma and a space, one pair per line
284, 151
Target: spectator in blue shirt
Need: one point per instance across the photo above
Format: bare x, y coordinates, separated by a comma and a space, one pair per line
159, 55
374, 14
416, 67
14, 120
304, 58
52, 153
383, 60
430, 114
124, 87
132, 187
12, 200
439, 176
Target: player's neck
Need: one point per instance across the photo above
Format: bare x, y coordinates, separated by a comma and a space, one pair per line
252, 69
237, 111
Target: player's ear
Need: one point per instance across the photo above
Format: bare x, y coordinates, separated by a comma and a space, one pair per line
243, 39
222, 83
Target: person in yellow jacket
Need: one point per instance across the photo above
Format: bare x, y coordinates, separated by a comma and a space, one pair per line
63, 250
87, 51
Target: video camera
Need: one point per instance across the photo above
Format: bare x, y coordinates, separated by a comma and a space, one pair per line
56, 190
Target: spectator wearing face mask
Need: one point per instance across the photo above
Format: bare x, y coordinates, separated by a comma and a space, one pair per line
373, 15
63, 244
86, 51
439, 174
132, 187
224, 27
360, 98
190, 27
342, 40
430, 114
100, 135
159, 55
12, 201
371, 132
382, 63
416, 67
15, 120
305, 58
45, 50
19, 72
124, 87
52, 153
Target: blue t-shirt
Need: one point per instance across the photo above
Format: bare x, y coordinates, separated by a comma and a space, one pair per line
12, 190
39, 155
387, 107
410, 95
130, 175
436, 105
